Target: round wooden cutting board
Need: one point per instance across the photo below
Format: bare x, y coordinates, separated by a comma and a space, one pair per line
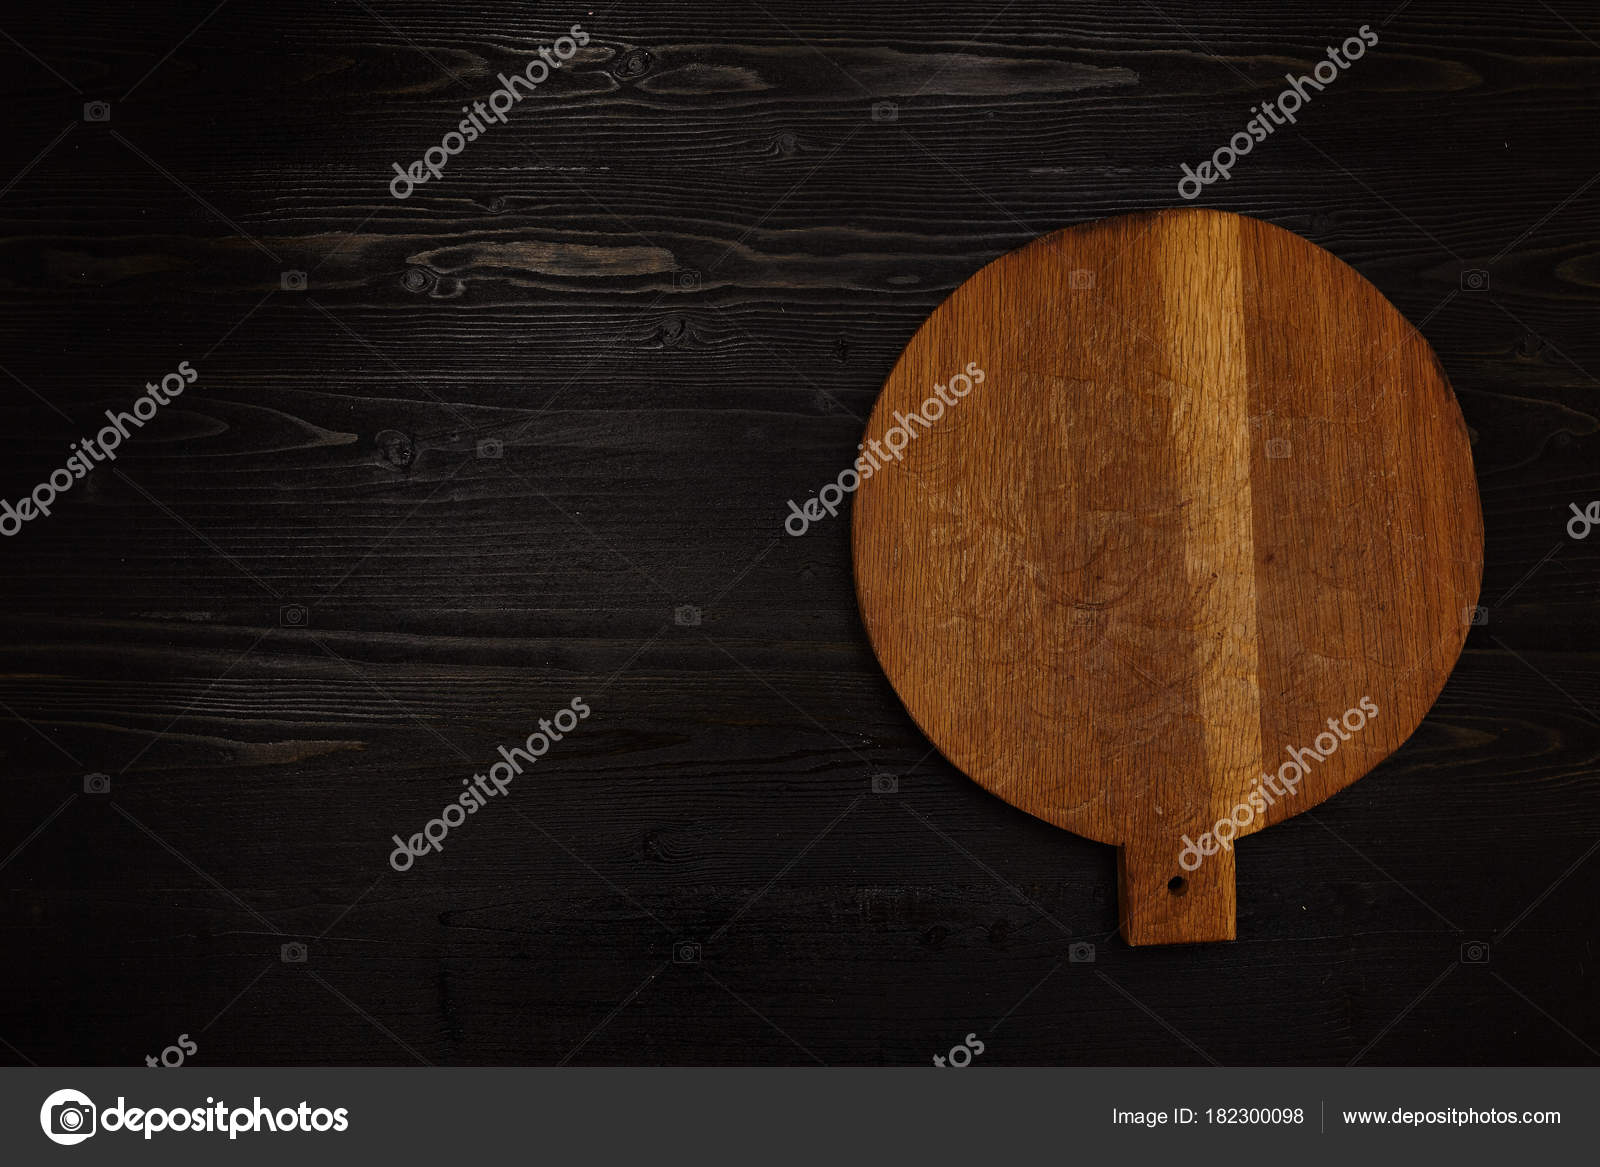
1154, 513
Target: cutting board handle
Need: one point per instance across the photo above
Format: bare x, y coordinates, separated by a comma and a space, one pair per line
1158, 902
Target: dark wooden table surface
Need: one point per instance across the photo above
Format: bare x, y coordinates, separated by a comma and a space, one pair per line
308, 600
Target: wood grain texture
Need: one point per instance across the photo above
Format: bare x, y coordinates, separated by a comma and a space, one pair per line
651, 437
1204, 492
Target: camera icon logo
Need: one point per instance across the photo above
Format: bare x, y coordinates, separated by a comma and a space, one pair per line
68, 1117
885, 784
293, 615
686, 616
97, 783
1475, 952
1478, 615
491, 448
685, 279
1081, 952
686, 952
1080, 278
885, 111
293, 281
292, 953
1474, 279
1278, 448
97, 111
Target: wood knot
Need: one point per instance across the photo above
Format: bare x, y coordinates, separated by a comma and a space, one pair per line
632, 65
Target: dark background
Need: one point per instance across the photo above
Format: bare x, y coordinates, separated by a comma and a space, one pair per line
671, 287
